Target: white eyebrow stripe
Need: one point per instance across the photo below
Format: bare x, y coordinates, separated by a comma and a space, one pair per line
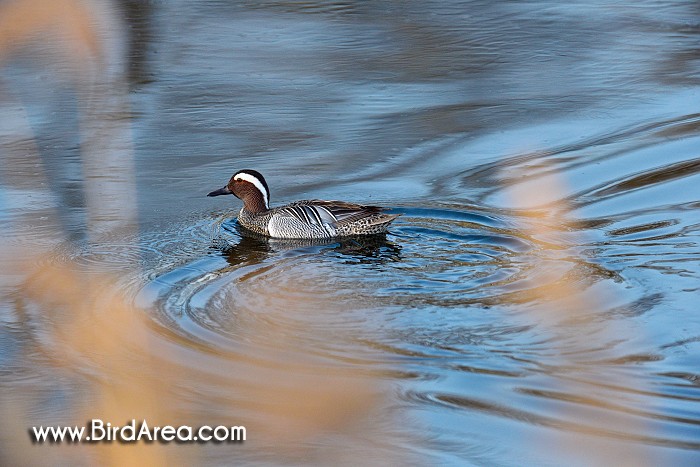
254, 180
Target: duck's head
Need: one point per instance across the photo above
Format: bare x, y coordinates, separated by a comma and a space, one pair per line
250, 187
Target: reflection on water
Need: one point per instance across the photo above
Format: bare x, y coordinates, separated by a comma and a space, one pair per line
535, 302
252, 247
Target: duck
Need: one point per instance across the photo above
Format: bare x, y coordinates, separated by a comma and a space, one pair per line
306, 219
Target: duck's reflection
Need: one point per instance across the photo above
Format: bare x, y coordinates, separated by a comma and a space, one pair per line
239, 245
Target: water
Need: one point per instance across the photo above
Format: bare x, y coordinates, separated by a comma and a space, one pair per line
536, 302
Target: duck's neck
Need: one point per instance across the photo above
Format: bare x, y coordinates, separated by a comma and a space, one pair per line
254, 204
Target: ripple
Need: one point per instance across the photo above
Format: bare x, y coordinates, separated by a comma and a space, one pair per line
435, 304
337, 283
432, 270
530, 417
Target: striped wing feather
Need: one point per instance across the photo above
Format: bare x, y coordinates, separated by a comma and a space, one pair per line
332, 212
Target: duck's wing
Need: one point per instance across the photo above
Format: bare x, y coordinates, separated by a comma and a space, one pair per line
308, 213
332, 212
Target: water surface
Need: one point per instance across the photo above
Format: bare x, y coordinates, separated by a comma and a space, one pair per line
536, 302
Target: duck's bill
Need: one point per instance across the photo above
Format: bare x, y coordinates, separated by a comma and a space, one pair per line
220, 191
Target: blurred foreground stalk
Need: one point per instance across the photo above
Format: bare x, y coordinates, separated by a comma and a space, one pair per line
569, 316
91, 336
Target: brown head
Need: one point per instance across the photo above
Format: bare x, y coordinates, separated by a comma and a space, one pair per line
250, 187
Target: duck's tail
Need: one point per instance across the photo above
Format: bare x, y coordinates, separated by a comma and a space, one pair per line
383, 219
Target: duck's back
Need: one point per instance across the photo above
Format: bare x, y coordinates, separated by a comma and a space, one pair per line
326, 219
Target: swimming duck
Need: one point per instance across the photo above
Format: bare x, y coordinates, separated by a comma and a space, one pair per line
301, 219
